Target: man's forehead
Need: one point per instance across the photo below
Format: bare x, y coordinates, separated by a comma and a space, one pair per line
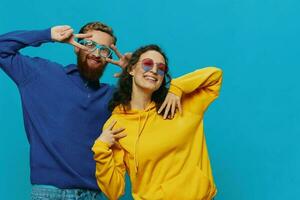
101, 37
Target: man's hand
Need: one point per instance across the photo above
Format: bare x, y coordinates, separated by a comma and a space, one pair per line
123, 59
170, 104
65, 34
110, 136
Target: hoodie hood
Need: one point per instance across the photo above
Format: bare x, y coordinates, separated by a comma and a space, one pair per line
119, 110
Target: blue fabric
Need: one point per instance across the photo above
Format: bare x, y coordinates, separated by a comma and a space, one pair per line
44, 192
63, 112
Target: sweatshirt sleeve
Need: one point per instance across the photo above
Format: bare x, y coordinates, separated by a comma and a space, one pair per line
110, 169
198, 89
18, 67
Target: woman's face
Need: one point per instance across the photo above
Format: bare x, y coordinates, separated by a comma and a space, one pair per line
148, 72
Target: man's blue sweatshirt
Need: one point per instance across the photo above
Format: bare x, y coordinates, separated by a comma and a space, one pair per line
63, 112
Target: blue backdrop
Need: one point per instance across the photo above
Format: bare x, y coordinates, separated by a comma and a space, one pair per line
252, 129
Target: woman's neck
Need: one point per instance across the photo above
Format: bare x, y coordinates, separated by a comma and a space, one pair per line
140, 99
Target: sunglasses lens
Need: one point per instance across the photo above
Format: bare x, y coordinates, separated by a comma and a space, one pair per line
162, 67
90, 44
105, 52
148, 63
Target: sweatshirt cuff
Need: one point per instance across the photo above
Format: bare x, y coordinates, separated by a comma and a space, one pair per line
100, 145
175, 90
48, 35
41, 36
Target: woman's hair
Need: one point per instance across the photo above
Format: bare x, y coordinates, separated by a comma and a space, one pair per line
123, 94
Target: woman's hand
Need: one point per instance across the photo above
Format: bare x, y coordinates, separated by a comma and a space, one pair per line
170, 104
123, 59
65, 34
110, 136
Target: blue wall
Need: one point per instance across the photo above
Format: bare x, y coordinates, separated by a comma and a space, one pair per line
252, 131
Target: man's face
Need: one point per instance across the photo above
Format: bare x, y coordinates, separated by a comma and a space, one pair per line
90, 64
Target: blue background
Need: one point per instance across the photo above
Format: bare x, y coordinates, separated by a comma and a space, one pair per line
252, 130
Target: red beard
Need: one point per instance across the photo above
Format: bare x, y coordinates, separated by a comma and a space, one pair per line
90, 66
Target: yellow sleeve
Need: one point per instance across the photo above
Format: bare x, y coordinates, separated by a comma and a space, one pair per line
110, 168
198, 89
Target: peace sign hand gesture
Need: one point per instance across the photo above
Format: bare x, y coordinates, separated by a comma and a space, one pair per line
123, 59
65, 34
110, 136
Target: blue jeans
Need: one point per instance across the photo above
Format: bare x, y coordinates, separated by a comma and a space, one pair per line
45, 192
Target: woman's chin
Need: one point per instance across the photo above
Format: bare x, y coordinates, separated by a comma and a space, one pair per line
149, 88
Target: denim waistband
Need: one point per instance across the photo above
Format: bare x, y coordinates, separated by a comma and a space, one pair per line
48, 191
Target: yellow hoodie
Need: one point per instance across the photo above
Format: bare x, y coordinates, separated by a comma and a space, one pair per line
165, 159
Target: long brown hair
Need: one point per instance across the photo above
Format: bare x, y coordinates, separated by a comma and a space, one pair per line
123, 94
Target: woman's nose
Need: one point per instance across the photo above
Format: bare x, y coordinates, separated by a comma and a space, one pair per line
154, 69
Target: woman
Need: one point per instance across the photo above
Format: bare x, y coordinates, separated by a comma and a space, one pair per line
165, 159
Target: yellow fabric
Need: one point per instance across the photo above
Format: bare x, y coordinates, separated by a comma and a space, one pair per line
165, 159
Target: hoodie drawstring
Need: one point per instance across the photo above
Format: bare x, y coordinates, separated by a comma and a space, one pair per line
140, 130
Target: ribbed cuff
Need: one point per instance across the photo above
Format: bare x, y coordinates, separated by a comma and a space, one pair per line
175, 90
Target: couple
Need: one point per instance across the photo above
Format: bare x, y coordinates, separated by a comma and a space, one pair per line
65, 109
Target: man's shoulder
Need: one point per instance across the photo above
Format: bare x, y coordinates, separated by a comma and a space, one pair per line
70, 68
110, 87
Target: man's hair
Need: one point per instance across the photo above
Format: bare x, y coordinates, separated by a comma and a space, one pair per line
98, 26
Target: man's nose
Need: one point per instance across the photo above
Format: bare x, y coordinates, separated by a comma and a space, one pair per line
96, 52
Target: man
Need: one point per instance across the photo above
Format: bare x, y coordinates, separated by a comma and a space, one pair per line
64, 107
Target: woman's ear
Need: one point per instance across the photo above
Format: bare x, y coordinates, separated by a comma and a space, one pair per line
130, 71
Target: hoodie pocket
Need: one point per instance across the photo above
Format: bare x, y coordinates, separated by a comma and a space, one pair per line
189, 185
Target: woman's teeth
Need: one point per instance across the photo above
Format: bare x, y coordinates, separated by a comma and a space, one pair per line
150, 78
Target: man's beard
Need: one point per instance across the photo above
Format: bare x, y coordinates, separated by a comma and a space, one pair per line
90, 73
